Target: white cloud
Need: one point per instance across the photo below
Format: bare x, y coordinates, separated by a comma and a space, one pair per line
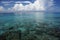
22, 2
37, 5
18, 7
1, 8
16, 2
6, 2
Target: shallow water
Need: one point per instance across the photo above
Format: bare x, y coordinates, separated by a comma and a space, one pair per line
29, 20
21, 17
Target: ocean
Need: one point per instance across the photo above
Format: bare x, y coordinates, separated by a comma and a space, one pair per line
46, 24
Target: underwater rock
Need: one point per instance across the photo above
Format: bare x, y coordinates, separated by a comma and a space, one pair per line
54, 32
11, 28
11, 35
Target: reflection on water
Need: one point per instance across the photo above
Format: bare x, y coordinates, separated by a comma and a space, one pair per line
30, 25
42, 17
30, 17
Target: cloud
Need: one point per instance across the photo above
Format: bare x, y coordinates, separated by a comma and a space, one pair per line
6, 2
17, 2
1, 8
37, 5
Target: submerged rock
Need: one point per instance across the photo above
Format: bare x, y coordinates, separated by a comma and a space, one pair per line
54, 32
11, 35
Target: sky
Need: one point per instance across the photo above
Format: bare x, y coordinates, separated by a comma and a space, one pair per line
29, 5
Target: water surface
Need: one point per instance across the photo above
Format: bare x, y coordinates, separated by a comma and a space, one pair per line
29, 20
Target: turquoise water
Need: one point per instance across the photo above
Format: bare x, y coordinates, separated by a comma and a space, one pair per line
21, 18
28, 20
